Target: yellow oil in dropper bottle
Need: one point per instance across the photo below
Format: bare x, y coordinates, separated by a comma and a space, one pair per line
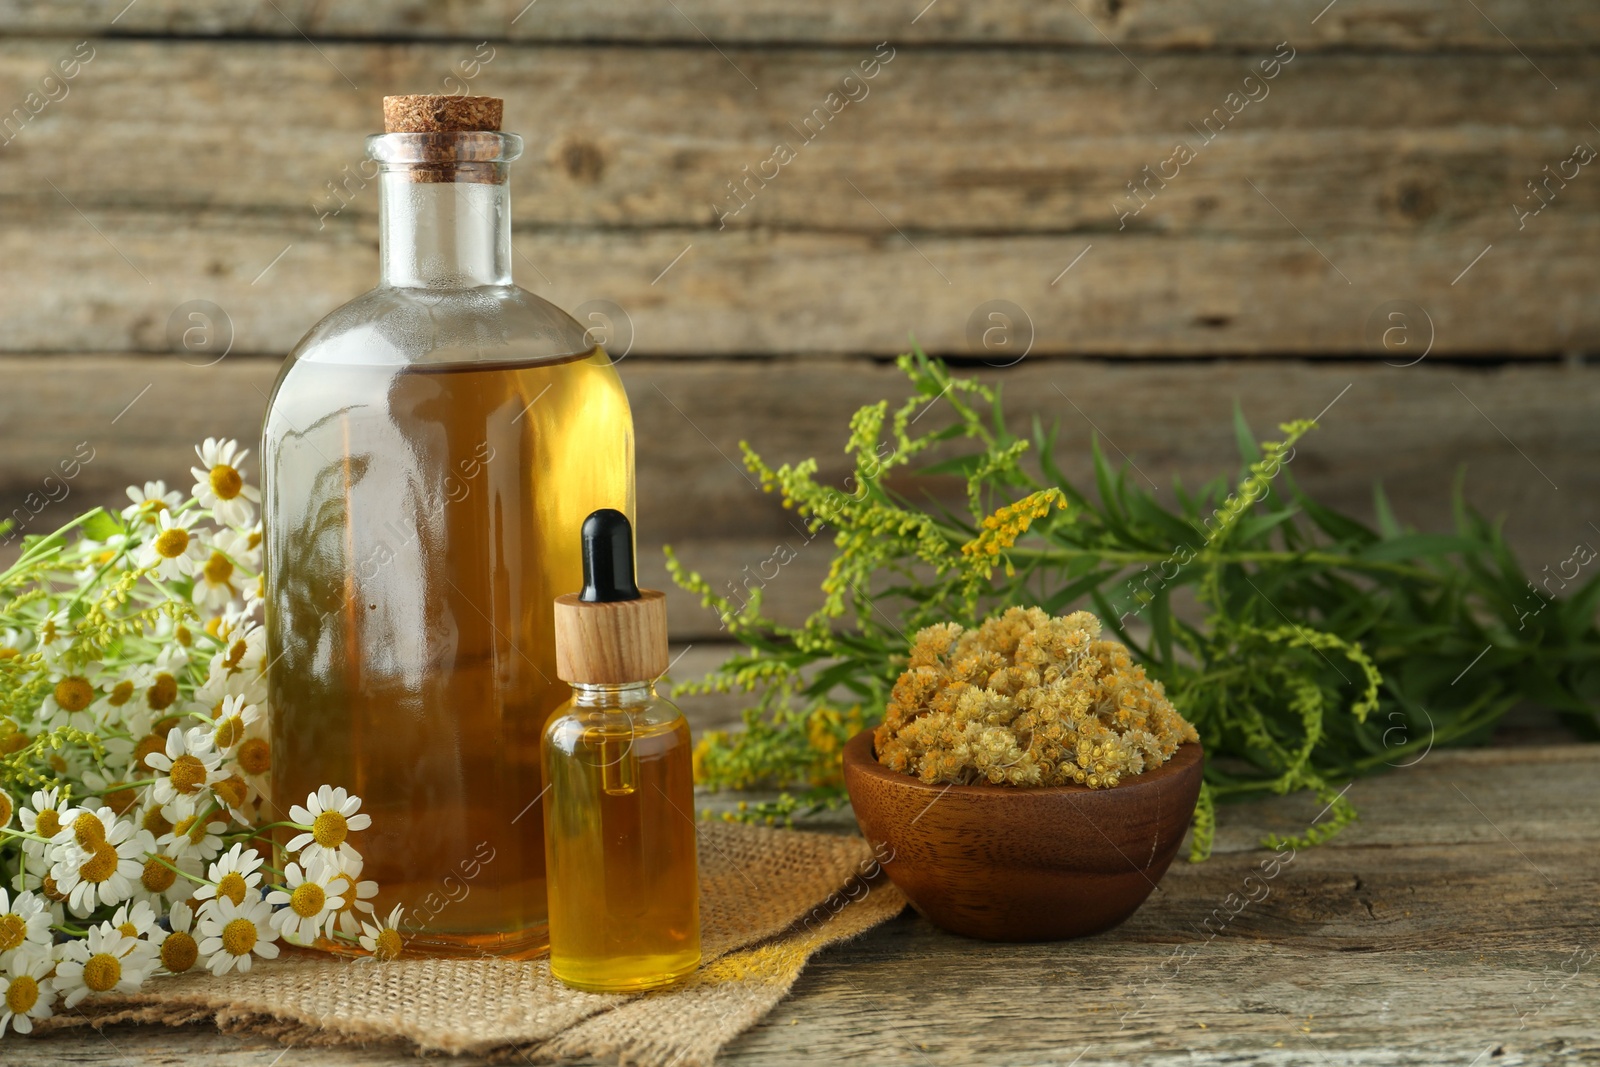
619, 812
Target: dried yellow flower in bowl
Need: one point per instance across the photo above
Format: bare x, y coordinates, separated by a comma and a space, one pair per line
1027, 700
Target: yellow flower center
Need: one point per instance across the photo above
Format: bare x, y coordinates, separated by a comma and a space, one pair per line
229, 731
307, 899
185, 638
74, 693
157, 876
22, 994
172, 543
239, 937
102, 972
387, 944
7, 652
156, 822
330, 829
255, 756
6, 810
148, 745
58, 764
161, 695
89, 830
121, 693
188, 774
225, 481
219, 569
100, 866
128, 930
12, 931
179, 952
235, 655
47, 886
119, 797
233, 886
149, 509
232, 790
253, 541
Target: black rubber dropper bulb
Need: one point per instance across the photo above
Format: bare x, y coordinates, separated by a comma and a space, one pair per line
608, 558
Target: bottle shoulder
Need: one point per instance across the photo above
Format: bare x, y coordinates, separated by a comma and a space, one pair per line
391, 326
656, 723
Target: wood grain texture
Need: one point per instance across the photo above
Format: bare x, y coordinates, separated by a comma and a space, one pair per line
1510, 428
1008, 864
1144, 24
1453, 922
969, 140
1285, 234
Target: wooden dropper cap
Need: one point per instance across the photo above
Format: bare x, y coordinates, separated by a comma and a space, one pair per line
612, 633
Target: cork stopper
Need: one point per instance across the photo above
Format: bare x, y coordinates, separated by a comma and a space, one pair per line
459, 135
612, 633
442, 114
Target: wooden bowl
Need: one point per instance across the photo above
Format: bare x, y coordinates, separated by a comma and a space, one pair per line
1016, 864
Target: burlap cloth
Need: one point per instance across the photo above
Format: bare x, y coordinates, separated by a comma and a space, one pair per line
769, 899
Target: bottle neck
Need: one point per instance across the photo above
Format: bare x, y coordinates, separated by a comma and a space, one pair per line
443, 234
612, 696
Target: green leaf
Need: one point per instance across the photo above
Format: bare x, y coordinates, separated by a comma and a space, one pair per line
1388, 525
1410, 546
101, 526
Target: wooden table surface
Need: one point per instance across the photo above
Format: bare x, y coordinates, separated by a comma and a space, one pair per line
1455, 923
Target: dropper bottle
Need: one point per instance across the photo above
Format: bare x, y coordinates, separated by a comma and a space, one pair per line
619, 811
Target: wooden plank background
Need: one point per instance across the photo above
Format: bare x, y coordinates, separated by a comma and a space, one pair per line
211, 151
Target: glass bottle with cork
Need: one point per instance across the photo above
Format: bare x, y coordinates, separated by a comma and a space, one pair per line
619, 814
429, 451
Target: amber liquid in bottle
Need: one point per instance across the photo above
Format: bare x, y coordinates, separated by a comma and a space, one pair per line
624, 895
433, 519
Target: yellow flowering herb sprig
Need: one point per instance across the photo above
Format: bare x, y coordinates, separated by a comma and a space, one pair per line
1322, 647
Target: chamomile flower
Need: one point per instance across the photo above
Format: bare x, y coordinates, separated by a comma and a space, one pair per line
69, 700
7, 809
234, 717
185, 769
23, 922
219, 485
104, 961
42, 816
237, 796
119, 691
242, 546
98, 554
14, 642
55, 636
384, 940
235, 876
331, 814
357, 896
101, 860
149, 501
29, 993
179, 950
135, 920
192, 836
240, 668
160, 884
312, 904
231, 934
214, 582
174, 552
43, 887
